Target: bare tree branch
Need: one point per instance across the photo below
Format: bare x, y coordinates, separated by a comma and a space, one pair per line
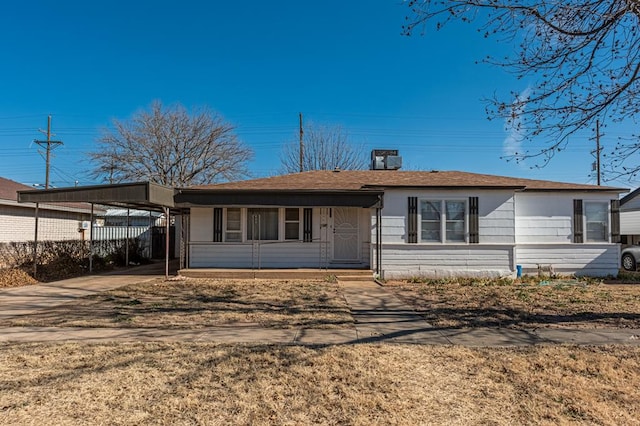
169, 146
325, 148
583, 58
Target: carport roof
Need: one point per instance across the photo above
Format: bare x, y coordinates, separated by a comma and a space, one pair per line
139, 195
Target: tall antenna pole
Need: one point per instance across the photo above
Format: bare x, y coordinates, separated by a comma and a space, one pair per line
301, 146
49, 143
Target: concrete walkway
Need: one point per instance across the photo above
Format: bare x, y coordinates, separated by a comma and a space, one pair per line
379, 317
24, 300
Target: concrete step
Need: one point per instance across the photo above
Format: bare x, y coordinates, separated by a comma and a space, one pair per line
359, 277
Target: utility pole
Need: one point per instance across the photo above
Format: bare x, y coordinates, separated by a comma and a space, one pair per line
597, 152
301, 146
49, 146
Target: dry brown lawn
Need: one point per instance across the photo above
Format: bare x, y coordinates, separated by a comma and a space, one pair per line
199, 302
502, 303
189, 383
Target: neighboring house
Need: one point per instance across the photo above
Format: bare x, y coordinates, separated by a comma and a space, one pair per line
404, 223
630, 218
56, 221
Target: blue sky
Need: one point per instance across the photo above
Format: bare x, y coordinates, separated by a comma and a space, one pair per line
258, 64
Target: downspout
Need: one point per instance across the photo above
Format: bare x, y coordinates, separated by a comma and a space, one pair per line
166, 243
91, 240
379, 242
126, 249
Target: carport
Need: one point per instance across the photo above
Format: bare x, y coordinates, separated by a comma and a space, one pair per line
140, 195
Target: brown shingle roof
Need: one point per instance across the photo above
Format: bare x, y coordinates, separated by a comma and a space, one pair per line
360, 179
9, 191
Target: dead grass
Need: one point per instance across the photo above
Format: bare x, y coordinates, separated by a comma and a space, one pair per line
188, 383
502, 303
198, 303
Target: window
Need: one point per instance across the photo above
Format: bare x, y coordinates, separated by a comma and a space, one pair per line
596, 221
233, 231
443, 221
430, 230
262, 224
454, 211
291, 224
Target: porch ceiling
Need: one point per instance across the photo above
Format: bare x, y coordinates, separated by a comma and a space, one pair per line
140, 195
297, 198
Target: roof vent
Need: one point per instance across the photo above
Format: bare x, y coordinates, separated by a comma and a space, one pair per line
385, 159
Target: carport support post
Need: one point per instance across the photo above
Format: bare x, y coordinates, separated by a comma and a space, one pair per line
166, 243
35, 243
126, 248
91, 240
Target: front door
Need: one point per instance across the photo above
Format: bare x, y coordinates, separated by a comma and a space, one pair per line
346, 235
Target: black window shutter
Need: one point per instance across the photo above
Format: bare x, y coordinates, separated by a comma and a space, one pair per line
615, 221
474, 221
577, 222
307, 225
217, 225
412, 225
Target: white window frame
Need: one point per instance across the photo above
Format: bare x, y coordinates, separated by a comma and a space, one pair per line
283, 225
607, 209
244, 238
225, 221
443, 220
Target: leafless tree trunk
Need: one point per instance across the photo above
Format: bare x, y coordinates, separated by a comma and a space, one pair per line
169, 146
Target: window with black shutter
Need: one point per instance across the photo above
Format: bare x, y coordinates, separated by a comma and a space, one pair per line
412, 219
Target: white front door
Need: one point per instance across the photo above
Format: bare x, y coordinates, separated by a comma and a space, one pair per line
346, 235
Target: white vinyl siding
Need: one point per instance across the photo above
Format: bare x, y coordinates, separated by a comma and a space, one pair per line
579, 259
443, 261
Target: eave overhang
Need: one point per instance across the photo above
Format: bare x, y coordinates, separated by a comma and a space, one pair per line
280, 198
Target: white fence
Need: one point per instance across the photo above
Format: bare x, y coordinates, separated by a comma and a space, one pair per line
109, 233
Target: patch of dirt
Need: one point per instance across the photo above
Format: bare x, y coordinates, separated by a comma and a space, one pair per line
546, 303
199, 302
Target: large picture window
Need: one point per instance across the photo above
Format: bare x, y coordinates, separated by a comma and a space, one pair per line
262, 224
596, 221
443, 221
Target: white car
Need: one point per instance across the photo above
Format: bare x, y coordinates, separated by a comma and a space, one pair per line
630, 257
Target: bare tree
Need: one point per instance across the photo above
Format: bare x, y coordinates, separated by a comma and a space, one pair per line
325, 148
170, 146
583, 58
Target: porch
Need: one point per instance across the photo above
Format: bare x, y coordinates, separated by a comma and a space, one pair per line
283, 274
